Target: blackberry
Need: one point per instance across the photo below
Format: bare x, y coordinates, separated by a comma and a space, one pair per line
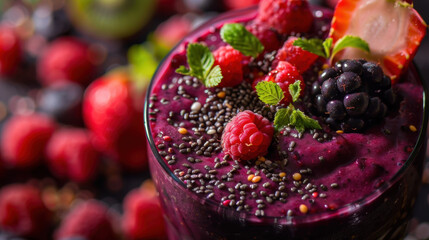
353, 94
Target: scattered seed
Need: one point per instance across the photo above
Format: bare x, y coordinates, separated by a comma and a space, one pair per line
297, 176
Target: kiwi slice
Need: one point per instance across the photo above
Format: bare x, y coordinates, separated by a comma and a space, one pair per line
110, 18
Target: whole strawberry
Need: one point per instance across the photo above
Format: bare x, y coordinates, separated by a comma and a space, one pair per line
247, 136
296, 56
90, 220
143, 217
10, 50
113, 111
286, 16
23, 212
284, 75
229, 61
24, 139
67, 59
71, 155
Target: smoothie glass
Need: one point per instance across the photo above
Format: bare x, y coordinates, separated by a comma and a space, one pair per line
381, 215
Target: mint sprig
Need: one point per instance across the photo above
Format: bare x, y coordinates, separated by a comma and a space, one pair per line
236, 35
325, 48
295, 90
200, 60
269, 92
294, 117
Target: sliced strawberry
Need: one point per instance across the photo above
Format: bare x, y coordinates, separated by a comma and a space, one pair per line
393, 31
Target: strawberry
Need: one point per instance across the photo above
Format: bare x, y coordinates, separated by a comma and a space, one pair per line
113, 111
24, 139
23, 212
71, 155
67, 59
10, 50
284, 75
89, 220
296, 56
143, 217
393, 30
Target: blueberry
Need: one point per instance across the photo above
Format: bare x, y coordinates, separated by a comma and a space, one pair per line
389, 97
63, 102
320, 104
383, 110
332, 123
353, 125
352, 66
339, 64
315, 88
329, 89
336, 110
372, 72
348, 82
386, 83
50, 24
327, 74
356, 103
374, 107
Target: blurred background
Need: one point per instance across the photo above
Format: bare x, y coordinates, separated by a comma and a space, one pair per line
67, 67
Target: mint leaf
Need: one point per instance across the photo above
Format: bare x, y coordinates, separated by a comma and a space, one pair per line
269, 92
294, 117
184, 71
282, 117
327, 46
239, 38
302, 121
214, 77
200, 60
350, 41
313, 45
295, 90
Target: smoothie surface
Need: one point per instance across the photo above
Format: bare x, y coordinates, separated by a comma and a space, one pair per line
303, 173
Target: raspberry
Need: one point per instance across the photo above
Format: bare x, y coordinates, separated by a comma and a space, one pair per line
238, 4
286, 16
10, 50
90, 220
24, 139
71, 155
284, 75
266, 35
296, 56
67, 59
229, 61
247, 136
143, 216
23, 212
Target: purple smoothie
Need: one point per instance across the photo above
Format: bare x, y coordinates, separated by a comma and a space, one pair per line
353, 184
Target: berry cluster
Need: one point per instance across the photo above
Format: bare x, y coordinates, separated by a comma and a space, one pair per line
352, 94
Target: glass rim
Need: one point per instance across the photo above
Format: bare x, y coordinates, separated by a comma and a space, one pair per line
290, 220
